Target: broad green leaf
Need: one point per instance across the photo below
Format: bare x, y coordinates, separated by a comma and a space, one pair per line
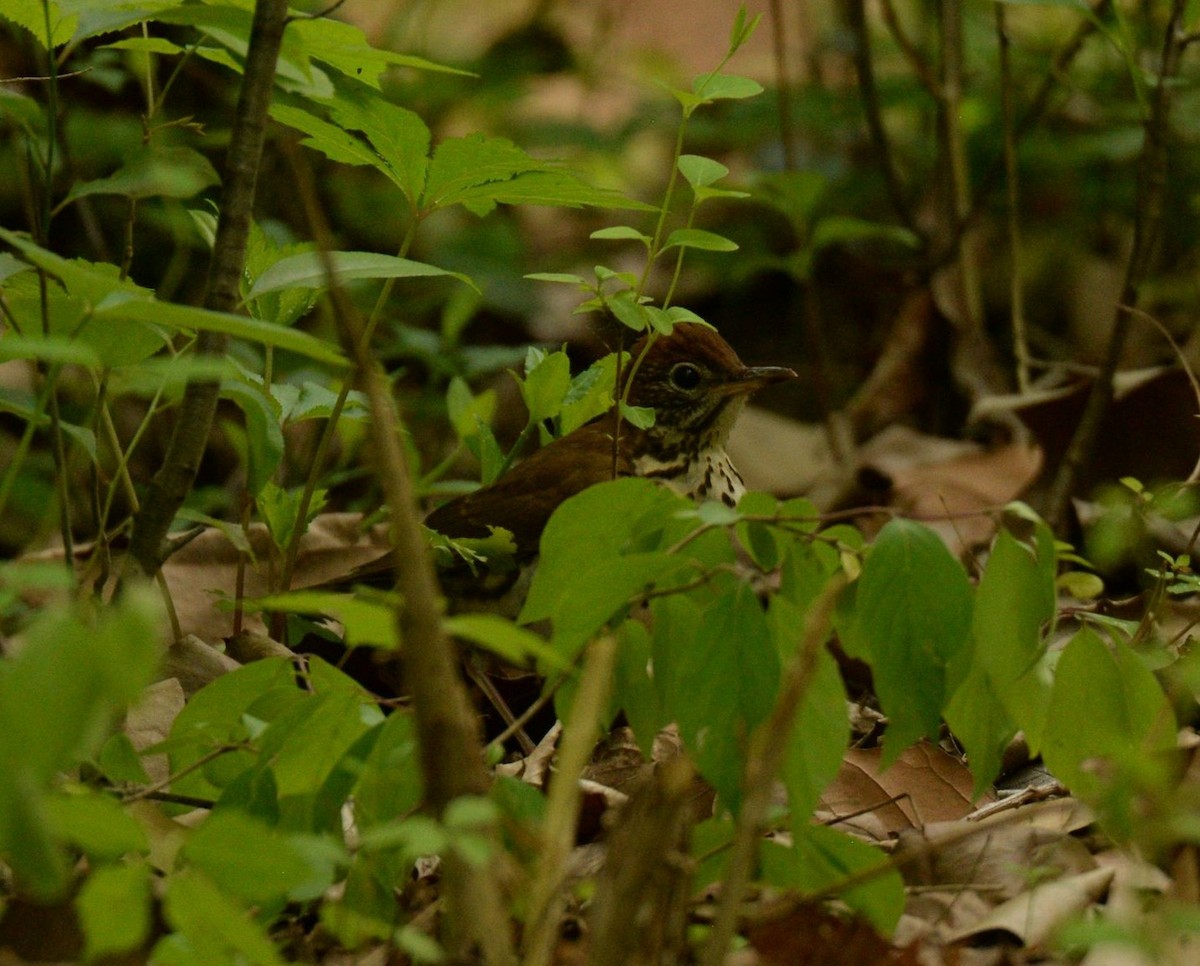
167, 172
468, 413
634, 690
95, 823
593, 526
913, 622
211, 928
51, 348
1003, 689
465, 163
701, 171
113, 906
821, 731
628, 311
505, 639
555, 187
822, 857
1105, 707
725, 681
366, 622
307, 270
245, 857
282, 308
389, 783
698, 238
214, 717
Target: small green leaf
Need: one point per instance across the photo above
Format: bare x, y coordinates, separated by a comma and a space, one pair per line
641, 417
545, 386
560, 277
701, 171
621, 233
114, 910
716, 86
698, 238
215, 928
95, 823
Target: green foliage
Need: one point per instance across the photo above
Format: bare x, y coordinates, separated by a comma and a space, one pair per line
709, 604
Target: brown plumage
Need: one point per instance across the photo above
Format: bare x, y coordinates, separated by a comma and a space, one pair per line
696, 385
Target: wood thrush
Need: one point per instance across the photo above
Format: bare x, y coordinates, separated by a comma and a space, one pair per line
696, 385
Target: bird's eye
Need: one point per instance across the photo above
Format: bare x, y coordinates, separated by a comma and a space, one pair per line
685, 376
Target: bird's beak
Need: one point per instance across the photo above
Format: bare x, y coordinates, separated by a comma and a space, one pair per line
753, 378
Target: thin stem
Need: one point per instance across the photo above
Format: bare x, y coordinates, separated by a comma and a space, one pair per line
768, 749
783, 87
1016, 275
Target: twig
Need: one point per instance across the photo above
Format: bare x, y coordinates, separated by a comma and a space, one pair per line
916, 60
856, 15
189, 438
448, 734
1016, 276
562, 806
1147, 225
783, 88
768, 748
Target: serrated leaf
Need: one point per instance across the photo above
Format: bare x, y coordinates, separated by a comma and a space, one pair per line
700, 239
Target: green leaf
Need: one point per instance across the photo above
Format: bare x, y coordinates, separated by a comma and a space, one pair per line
1003, 688
716, 86
462, 164
95, 823
264, 434
505, 639
1105, 706
369, 623
399, 137
468, 413
913, 621
821, 732
145, 45
701, 171
724, 683
113, 906
545, 385
246, 858
33, 16
591, 394
153, 171
307, 270
332, 141
563, 278
698, 238
620, 233
210, 927
822, 857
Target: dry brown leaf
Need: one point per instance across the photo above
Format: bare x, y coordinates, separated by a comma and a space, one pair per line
205, 571
924, 785
1031, 917
149, 722
782, 456
810, 935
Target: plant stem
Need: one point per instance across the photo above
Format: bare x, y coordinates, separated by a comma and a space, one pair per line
768, 749
1016, 277
171, 485
1147, 226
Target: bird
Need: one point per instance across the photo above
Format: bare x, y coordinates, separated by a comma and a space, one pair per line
695, 383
